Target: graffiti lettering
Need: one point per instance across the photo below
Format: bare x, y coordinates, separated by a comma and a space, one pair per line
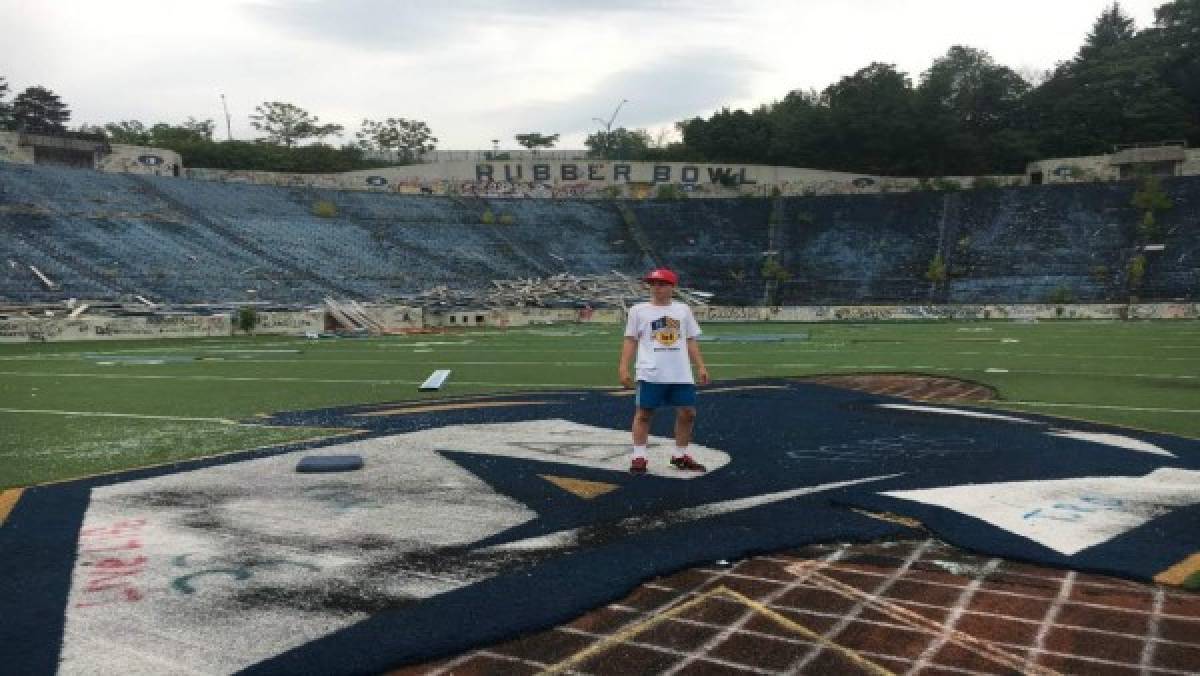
570, 172
109, 578
662, 173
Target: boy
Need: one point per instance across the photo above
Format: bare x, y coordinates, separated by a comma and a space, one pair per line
663, 333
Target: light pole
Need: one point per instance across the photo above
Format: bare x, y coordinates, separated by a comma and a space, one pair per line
608, 127
228, 130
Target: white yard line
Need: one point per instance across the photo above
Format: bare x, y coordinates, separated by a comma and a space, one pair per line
1113, 407
956, 613
102, 414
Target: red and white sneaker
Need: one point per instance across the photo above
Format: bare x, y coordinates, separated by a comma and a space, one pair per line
686, 462
638, 466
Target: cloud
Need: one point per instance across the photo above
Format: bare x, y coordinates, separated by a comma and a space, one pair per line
671, 88
411, 26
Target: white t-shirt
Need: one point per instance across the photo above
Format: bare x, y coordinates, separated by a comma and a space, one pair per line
662, 332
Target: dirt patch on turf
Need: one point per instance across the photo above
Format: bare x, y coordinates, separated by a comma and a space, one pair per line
910, 386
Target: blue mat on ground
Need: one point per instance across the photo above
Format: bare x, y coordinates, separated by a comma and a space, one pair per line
1028, 487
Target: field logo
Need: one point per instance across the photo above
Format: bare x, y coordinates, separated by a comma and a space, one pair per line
666, 331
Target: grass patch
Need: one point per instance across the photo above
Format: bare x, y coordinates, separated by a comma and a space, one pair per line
1122, 366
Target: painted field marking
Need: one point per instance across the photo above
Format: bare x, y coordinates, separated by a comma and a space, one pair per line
956, 411
8, 500
1117, 440
916, 621
579, 487
435, 380
408, 410
722, 591
1113, 407
1176, 574
102, 414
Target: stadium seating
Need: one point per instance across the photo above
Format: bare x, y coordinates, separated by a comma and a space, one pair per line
102, 235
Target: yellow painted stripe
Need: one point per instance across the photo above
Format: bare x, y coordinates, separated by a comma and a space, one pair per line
408, 410
8, 500
811, 635
580, 488
633, 630
1181, 571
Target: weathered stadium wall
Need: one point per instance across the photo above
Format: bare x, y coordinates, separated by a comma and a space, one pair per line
23, 330
100, 236
589, 179
122, 158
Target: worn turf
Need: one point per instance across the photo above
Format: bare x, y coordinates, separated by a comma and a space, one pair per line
1136, 374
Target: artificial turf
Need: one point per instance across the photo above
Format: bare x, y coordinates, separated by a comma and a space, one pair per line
1137, 374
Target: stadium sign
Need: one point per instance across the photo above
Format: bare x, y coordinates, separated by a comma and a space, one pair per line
615, 172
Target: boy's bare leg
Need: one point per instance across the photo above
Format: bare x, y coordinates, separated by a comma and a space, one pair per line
685, 420
641, 426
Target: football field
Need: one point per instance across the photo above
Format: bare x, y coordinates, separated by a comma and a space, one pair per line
75, 409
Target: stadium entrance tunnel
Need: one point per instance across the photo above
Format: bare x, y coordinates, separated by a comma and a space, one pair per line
476, 519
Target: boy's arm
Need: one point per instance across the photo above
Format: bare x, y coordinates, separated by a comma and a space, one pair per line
628, 347
693, 348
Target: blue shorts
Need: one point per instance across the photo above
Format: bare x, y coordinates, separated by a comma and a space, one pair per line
654, 395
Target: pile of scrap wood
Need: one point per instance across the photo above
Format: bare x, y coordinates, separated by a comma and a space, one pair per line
562, 290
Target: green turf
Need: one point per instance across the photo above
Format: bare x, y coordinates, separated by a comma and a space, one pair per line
1100, 371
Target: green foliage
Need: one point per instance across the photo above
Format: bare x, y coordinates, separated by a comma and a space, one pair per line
245, 155
804, 218
408, 138
487, 217
945, 184
1149, 196
936, 272
1137, 271
1061, 295
620, 144
611, 192
5, 108
286, 124
1148, 230
985, 183
38, 109
324, 209
1099, 273
247, 319
534, 140
507, 219
774, 271
670, 191
776, 192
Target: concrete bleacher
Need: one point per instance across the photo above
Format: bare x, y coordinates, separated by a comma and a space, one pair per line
105, 235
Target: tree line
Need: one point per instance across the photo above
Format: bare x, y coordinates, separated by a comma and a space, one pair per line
964, 115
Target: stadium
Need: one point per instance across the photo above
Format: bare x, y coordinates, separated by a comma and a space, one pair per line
360, 421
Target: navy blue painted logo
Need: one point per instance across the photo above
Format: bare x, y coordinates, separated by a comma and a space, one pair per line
797, 463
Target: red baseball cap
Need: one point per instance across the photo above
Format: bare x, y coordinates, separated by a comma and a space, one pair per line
662, 275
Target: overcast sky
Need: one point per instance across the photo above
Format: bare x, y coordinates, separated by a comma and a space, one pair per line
476, 70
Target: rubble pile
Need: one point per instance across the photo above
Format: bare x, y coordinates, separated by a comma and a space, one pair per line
562, 290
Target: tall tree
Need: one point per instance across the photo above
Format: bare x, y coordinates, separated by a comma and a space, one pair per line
38, 109
964, 101
620, 143
1111, 28
730, 136
534, 140
410, 138
872, 121
1176, 36
286, 124
131, 132
5, 108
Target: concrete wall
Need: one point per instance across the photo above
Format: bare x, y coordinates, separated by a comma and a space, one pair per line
566, 178
21, 330
125, 159
1099, 167
290, 323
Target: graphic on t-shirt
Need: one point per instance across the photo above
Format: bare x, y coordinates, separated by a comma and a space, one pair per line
665, 330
